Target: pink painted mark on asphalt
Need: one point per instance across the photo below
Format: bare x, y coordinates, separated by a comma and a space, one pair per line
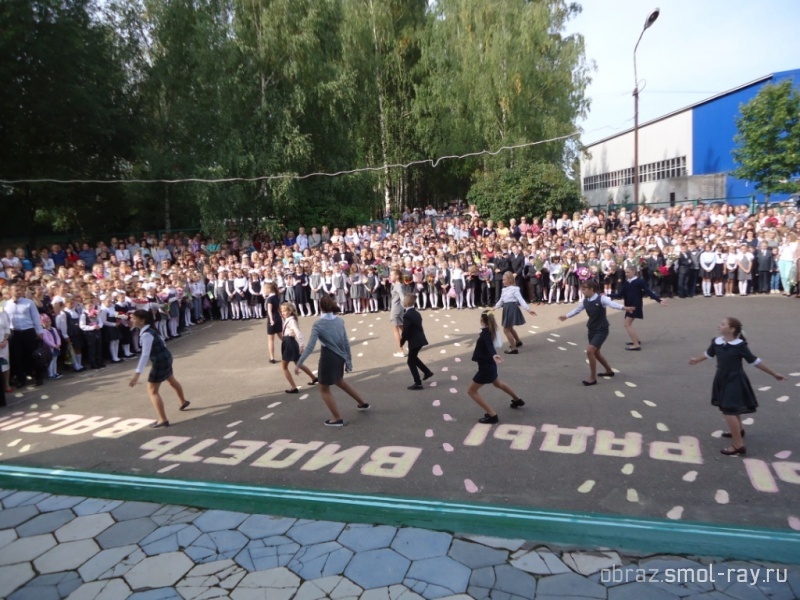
447, 417
447, 447
429, 433
470, 486
437, 470
436, 403
453, 391
783, 454
794, 523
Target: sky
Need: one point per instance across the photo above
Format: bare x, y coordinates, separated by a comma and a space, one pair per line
695, 49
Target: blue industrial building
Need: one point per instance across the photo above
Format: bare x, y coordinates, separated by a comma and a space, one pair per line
685, 155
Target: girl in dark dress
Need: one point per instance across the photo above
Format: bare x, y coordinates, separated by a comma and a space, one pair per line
274, 321
633, 291
731, 391
485, 354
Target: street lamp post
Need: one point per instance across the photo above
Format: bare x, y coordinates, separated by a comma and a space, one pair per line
650, 20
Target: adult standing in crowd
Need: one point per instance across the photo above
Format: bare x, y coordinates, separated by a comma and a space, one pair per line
27, 331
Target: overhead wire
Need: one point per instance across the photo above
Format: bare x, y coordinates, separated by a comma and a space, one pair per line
426, 161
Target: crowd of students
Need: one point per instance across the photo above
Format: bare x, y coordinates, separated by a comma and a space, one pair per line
455, 259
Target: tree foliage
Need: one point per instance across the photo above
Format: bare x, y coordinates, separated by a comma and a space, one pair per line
64, 113
533, 190
768, 138
261, 91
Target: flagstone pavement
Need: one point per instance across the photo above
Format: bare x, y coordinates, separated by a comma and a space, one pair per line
84, 548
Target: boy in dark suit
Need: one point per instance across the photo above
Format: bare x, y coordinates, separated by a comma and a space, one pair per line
415, 336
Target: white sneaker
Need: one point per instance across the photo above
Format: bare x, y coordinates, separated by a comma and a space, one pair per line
399, 355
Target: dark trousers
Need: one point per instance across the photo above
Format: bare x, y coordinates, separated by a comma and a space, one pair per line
683, 281
691, 283
415, 364
94, 348
763, 282
485, 293
20, 348
498, 289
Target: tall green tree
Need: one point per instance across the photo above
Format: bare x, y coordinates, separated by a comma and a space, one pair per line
381, 51
768, 138
64, 114
500, 74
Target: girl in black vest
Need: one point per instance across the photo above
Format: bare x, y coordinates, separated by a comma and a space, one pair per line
595, 306
155, 350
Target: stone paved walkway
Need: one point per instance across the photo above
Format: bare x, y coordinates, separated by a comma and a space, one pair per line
84, 548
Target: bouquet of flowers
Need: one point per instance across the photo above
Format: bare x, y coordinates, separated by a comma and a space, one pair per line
672, 259
583, 273
662, 271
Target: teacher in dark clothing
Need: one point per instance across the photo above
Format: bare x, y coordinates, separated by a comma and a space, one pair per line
415, 336
26, 333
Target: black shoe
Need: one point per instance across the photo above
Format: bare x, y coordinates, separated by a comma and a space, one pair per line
727, 434
588, 383
272, 361
519, 344
427, 376
339, 423
185, 405
363, 407
416, 386
314, 381
609, 374
156, 425
514, 351
519, 402
487, 419
292, 391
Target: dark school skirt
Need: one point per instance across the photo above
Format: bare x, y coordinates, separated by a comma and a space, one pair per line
277, 327
331, 367
597, 337
290, 349
512, 315
487, 373
161, 371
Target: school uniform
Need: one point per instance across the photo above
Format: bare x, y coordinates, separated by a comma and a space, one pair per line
484, 354
155, 350
731, 390
300, 289
632, 294
414, 334
315, 285
291, 341
277, 322
765, 262
339, 292
511, 300
90, 326
597, 324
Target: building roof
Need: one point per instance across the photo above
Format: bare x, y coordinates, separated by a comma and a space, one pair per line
771, 76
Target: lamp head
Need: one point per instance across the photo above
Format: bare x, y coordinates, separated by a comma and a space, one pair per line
651, 18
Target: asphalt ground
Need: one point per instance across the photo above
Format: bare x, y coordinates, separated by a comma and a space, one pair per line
645, 443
